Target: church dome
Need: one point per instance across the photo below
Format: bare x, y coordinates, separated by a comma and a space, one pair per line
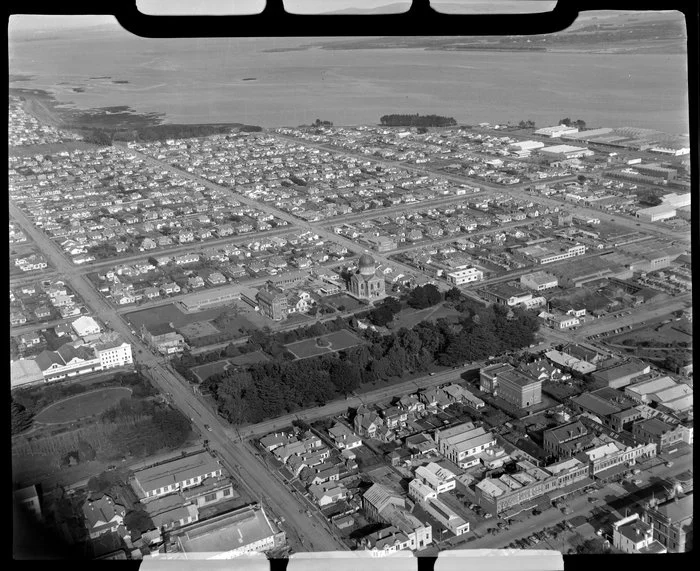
366, 264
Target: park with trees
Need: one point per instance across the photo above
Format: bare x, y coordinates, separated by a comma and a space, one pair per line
266, 390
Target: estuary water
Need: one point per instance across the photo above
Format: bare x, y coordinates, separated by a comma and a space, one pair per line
237, 80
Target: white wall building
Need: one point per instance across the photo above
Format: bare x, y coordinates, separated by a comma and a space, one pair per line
85, 326
464, 276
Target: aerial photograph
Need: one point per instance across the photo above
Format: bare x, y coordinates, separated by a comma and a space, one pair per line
281, 295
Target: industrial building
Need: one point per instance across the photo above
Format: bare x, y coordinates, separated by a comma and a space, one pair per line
556, 131
539, 281
462, 443
566, 152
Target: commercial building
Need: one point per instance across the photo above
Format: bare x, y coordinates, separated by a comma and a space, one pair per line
163, 338
505, 294
114, 353
210, 298
446, 516
526, 145
175, 475
85, 326
539, 281
672, 522
632, 535
654, 430
663, 392
621, 374
530, 486
380, 504
551, 252
230, 535
67, 361
463, 443
465, 276
611, 459
436, 477
566, 440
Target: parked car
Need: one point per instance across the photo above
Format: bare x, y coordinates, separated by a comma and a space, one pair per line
206, 426
669, 464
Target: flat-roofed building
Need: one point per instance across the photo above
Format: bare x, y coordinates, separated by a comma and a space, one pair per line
632, 535
556, 131
438, 478
519, 389
461, 444
24, 372
654, 430
672, 522
612, 458
656, 213
230, 535
28, 500
175, 475
488, 376
464, 276
539, 281
566, 152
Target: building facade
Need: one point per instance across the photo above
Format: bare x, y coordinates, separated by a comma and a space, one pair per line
366, 283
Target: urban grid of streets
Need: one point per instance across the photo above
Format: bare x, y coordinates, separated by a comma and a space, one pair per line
312, 533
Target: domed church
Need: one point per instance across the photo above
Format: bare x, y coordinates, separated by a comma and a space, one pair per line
365, 283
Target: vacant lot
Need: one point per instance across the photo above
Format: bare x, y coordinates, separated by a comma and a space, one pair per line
656, 335
83, 405
328, 344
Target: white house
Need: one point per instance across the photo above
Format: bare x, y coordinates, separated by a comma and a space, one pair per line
85, 326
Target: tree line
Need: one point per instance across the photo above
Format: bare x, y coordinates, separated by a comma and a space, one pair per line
399, 120
268, 390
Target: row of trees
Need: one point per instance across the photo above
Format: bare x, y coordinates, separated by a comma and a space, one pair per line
272, 389
580, 123
398, 120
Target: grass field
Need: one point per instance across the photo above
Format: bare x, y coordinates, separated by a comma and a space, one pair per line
203, 372
82, 406
342, 300
409, 318
169, 314
335, 342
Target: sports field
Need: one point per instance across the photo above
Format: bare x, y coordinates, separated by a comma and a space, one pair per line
82, 405
330, 343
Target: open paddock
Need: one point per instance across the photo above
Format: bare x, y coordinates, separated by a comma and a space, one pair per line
168, 313
82, 406
329, 343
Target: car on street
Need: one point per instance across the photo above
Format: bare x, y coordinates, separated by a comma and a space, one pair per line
207, 427
669, 464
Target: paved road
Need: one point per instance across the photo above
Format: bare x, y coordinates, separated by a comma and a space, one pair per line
180, 248
341, 406
518, 190
257, 482
580, 507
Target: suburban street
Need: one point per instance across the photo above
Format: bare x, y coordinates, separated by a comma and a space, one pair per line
234, 457
516, 189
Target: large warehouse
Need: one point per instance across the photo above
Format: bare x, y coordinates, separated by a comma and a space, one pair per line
566, 152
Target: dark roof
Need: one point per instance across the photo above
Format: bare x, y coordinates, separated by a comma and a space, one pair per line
47, 358
568, 431
161, 329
